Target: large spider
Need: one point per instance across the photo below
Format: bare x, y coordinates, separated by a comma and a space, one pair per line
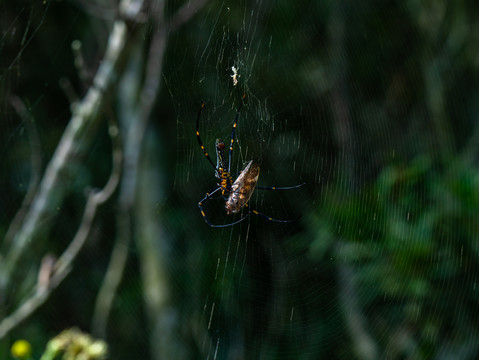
237, 193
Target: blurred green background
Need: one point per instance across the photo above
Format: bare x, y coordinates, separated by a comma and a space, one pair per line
373, 104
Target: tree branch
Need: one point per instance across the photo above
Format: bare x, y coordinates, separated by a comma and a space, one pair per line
136, 128
72, 147
63, 265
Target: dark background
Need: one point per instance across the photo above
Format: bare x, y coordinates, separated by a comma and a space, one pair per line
373, 104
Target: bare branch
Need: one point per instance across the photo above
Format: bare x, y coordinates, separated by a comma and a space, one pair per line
49, 280
133, 147
72, 147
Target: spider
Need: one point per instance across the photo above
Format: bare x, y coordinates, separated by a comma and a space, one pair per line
238, 192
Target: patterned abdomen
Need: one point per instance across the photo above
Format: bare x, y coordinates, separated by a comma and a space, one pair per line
242, 188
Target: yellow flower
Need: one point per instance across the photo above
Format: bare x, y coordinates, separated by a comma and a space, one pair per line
21, 349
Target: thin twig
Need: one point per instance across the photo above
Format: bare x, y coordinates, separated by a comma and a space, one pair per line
64, 263
133, 147
72, 147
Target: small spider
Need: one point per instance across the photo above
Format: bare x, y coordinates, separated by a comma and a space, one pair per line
235, 75
238, 192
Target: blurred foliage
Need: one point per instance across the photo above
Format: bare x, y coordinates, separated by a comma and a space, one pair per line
72, 344
412, 239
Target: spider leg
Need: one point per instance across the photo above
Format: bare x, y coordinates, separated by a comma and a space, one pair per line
233, 132
200, 204
226, 225
208, 197
269, 217
201, 143
279, 188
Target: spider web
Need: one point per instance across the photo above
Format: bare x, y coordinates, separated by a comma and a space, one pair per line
373, 105
312, 114
250, 268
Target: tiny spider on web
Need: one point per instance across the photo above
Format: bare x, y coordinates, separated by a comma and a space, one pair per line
238, 192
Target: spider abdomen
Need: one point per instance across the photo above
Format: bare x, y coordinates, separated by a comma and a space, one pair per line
242, 188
